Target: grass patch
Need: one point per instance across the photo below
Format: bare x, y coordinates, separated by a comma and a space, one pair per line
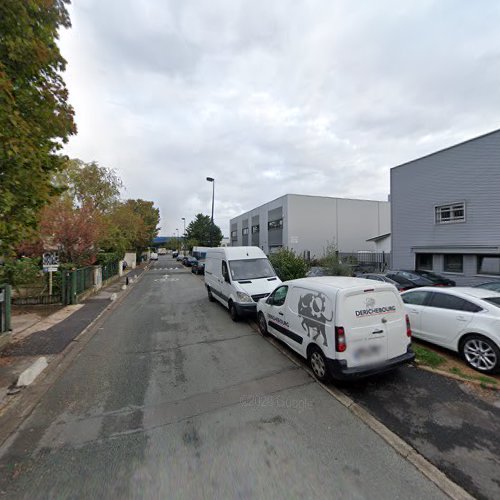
460, 373
427, 357
487, 380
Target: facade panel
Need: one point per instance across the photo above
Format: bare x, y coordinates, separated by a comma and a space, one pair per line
307, 224
448, 202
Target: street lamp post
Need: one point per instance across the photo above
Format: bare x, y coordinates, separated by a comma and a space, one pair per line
212, 180
178, 247
184, 234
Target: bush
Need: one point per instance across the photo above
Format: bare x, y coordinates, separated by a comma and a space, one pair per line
103, 258
18, 272
288, 265
332, 262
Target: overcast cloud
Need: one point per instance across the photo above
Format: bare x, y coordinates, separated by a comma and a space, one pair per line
272, 97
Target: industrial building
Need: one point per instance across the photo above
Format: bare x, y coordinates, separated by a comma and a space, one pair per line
446, 211
306, 224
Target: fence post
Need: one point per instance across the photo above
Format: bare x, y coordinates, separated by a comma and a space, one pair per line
73, 287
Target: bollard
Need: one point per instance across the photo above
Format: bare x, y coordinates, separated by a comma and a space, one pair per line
126, 280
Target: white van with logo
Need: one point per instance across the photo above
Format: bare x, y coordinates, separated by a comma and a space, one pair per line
345, 327
238, 277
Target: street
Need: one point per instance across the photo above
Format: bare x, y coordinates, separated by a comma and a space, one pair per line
171, 399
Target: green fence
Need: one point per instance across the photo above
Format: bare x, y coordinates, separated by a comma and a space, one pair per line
84, 278
76, 282
5, 298
110, 269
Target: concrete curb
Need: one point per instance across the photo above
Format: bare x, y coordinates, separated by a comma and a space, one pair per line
484, 385
404, 449
15, 414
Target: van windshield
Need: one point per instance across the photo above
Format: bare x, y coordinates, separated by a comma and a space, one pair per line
250, 269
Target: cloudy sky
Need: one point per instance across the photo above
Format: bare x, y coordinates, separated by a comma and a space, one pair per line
272, 97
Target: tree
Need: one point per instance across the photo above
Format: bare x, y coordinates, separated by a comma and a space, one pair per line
333, 263
35, 117
74, 231
199, 230
122, 229
91, 184
288, 265
150, 219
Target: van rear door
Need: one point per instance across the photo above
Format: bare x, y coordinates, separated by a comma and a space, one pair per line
374, 323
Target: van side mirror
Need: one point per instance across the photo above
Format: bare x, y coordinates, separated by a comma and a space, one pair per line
270, 301
226, 278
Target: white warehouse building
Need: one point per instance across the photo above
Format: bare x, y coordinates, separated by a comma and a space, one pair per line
306, 224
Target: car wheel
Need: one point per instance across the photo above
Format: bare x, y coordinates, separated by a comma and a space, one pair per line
317, 362
263, 325
210, 296
481, 353
233, 312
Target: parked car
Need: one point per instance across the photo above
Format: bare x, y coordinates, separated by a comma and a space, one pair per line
415, 279
463, 319
345, 327
189, 261
180, 257
238, 277
490, 285
402, 285
175, 254
315, 271
198, 267
153, 256
436, 279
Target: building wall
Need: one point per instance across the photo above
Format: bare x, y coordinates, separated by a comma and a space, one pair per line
310, 222
468, 172
314, 221
266, 240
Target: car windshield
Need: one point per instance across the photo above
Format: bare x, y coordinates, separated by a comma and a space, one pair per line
493, 300
250, 269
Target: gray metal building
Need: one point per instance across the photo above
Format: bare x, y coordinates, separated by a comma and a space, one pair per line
446, 211
307, 223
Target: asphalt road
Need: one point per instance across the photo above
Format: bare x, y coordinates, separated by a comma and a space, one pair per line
171, 399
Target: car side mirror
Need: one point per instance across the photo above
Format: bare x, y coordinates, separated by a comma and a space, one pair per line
270, 301
226, 278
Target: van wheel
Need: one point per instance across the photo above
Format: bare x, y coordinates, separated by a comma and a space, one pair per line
263, 325
481, 353
210, 296
233, 312
317, 361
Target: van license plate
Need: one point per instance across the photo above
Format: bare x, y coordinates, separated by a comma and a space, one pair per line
367, 352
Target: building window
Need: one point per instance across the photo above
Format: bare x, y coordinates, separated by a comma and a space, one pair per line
488, 264
234, 235
453, 263
255, 229
450, 213
244, 231
423, 262
275, 224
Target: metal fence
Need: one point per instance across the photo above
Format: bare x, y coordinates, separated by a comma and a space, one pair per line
110, 269
84, 279
367, 262
5, 298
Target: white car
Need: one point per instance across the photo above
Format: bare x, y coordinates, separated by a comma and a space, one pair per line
465, 320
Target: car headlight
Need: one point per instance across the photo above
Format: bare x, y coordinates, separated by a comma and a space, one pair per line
243, 297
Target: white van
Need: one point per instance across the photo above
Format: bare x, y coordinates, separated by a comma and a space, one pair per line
344, 327
238, 277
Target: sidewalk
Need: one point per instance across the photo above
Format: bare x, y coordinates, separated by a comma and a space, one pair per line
51, 335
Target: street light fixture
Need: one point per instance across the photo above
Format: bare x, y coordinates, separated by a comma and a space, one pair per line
212, 180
